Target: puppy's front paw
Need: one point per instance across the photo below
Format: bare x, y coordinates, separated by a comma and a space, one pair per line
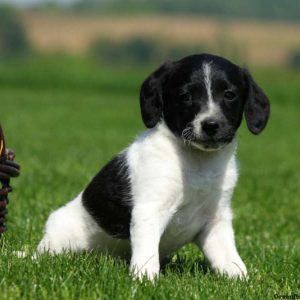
141, 273
148, 269
233, 269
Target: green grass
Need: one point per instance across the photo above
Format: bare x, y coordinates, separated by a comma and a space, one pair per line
66, 118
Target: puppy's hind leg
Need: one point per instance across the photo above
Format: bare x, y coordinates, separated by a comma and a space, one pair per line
69, 228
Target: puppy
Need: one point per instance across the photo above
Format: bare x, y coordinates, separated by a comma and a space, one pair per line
173, 185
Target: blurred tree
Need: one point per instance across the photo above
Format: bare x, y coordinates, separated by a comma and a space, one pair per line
140, 51
257, 9
85, 4
137, 50
13, 41
294, 59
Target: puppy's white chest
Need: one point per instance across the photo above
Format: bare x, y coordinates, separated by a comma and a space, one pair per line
200, 199
203, 185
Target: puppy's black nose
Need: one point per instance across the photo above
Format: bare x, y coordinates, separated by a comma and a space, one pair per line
210, 127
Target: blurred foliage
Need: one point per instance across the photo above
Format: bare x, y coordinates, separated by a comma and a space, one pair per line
137, 50
258, 9
140, 51
13, 41
294, 60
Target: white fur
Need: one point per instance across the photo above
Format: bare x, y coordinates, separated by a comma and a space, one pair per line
207, 81
180, 195
212, 111
71, 228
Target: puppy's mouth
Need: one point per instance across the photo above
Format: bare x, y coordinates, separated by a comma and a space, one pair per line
208, 144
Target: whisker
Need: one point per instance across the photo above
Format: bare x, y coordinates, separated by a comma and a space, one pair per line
188, 136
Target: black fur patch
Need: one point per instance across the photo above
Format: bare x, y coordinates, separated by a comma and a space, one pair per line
108, 198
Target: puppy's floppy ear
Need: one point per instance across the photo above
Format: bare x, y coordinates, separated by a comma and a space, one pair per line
151, 101
257, 106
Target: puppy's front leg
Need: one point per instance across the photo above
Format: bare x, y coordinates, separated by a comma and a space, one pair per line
147, 226
218, 245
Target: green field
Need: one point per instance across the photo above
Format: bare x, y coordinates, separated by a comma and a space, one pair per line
66, 117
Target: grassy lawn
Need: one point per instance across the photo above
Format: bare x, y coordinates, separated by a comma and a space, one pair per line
66, 118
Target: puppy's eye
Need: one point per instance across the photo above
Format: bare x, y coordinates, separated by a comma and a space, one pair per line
187, 99
229, 95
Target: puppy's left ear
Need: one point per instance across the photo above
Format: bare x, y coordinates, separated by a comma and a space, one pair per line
151, 101
257, 106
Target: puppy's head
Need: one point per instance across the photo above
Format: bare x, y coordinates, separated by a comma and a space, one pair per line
202, 98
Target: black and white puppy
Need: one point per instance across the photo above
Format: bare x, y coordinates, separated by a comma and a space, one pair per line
173, 185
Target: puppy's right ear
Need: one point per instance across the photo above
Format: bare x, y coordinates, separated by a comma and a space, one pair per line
151, 101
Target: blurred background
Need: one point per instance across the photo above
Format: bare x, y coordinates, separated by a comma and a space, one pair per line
140, 32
